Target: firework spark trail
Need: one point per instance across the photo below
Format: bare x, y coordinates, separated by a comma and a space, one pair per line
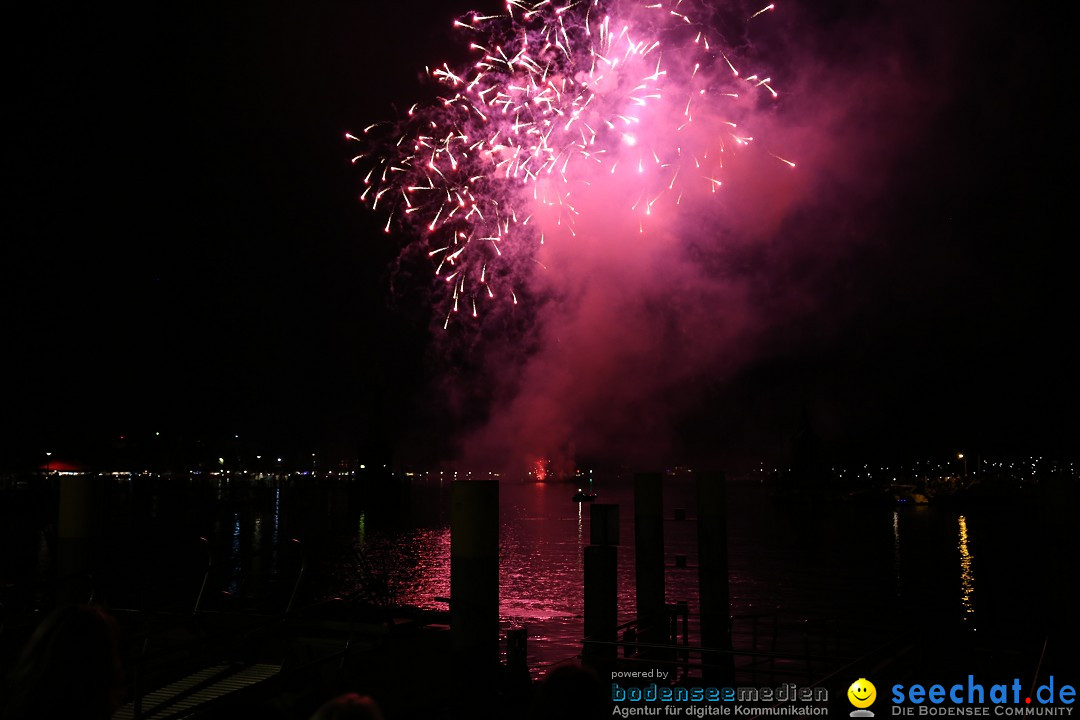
561, 96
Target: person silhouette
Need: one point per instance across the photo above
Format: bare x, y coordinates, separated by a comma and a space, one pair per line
70, 668
570, 692
350, 706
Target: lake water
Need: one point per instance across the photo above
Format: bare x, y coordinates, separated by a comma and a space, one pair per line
831, 569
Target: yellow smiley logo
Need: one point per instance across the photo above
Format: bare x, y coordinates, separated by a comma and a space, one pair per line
862, 693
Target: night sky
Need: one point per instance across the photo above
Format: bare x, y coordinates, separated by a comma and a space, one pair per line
184, 251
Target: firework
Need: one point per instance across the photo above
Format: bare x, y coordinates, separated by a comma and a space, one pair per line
561, 98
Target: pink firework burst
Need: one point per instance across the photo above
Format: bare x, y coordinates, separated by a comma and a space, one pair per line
562, 98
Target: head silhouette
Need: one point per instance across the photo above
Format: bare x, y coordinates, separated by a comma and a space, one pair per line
350, 706
570, 692
69, 668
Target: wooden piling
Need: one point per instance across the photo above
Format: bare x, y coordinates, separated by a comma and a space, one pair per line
649, 557
474, 573
713, 587
79, 527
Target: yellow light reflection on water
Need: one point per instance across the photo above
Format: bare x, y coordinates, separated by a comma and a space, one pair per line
967, 573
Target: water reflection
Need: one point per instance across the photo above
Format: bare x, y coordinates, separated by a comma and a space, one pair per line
274, 533
854, 562
580, 541
896, 551
424, 555
967, 574
579, 525
542, 537
234, 556
44, 559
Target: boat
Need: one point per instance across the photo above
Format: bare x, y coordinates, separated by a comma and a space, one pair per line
585, 495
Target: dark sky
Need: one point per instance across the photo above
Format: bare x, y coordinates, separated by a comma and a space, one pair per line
184, 252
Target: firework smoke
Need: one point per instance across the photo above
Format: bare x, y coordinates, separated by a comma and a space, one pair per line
656, 248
